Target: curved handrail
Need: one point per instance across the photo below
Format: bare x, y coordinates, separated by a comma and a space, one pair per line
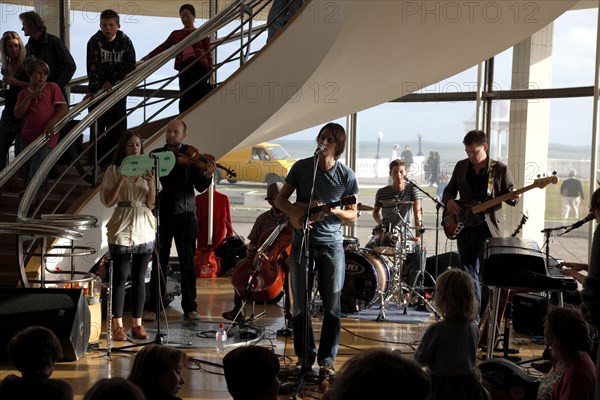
34, 231
16, 228
119, 91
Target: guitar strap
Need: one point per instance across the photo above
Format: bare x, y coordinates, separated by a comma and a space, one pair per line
491, 177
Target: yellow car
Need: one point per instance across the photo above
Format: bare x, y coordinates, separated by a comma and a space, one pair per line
264, 162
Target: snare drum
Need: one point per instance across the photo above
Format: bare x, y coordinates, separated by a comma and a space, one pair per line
366, 277
351, 243
385, 240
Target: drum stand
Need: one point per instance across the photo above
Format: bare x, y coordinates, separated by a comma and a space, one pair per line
418, 286
396, 285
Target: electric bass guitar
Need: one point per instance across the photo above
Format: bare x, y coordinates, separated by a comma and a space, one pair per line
315, 212
471, 213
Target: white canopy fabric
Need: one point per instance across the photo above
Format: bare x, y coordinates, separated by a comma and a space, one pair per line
341, 57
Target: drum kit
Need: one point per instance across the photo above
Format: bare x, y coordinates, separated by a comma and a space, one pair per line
391, 268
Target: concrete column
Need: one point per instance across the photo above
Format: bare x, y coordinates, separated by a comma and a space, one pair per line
528, 131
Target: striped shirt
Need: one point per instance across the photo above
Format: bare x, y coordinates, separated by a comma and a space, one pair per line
330, 186
388, 211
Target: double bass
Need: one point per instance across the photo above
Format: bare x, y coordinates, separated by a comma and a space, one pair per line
261, 278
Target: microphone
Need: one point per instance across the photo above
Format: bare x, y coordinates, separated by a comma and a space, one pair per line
320, 148
580, 223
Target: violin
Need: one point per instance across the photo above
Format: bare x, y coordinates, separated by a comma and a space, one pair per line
191, 157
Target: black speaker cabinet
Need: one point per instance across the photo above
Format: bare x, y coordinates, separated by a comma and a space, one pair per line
447, 260
63, 311
529, 311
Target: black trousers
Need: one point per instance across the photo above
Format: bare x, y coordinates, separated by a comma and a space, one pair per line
108, 143
123, 264
187, 79
183, 229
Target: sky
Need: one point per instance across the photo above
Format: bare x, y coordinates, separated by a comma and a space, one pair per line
572, 65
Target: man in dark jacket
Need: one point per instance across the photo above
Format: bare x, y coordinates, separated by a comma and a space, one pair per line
177, 213
110, 57
48, 48
474, 179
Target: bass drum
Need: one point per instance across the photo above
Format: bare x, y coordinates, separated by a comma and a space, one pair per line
366, 276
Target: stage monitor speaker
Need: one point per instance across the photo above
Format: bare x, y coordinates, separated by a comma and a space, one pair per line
447, 260
529, 311
63, 311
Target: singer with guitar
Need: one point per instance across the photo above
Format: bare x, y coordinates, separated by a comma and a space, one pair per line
332, 182
473, 180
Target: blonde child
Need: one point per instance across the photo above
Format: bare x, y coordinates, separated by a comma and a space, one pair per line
448, 347
40, 106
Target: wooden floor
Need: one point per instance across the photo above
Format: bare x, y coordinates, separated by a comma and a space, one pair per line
204, 379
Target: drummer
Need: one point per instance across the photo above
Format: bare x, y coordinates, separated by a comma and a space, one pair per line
399, 203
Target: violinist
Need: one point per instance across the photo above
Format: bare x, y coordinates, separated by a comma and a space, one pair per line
177, 213
265, 222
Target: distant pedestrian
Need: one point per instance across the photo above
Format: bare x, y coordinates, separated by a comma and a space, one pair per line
429, 168
394, 155
435, 172
571, 191
406, 155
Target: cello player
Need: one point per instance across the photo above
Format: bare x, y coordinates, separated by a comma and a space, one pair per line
265, 222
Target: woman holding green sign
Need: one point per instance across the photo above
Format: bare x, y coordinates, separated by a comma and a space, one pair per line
130, 233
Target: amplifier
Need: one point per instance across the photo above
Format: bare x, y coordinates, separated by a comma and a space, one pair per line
528, 313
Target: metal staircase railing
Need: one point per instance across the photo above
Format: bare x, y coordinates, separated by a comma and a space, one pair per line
33, 233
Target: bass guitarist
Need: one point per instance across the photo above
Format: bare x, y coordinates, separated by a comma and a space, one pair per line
333, 181
473, 180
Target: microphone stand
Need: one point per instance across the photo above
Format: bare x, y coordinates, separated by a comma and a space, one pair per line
438, 206
159, 338
305, 249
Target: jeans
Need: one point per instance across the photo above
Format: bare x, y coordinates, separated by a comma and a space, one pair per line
470, 249
330, 265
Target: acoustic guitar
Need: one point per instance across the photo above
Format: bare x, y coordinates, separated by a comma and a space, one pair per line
471, 213
315, 212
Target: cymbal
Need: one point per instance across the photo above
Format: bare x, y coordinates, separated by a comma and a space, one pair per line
394, 202
364, 207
